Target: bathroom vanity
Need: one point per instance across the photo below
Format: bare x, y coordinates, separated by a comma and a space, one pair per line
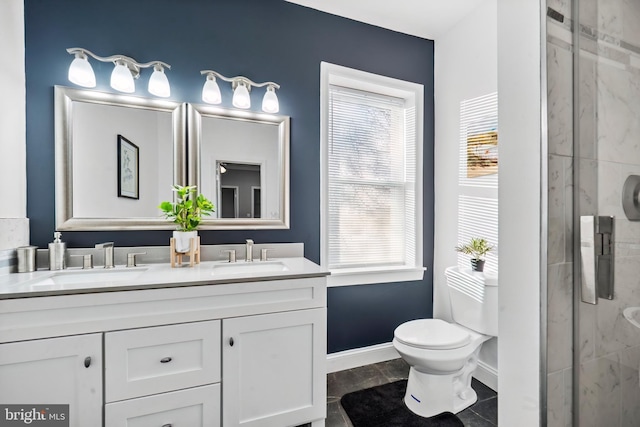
215, 345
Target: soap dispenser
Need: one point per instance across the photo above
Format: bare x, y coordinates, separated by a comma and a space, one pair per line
57, 253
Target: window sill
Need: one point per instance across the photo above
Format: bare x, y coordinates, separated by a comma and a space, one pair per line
366, 276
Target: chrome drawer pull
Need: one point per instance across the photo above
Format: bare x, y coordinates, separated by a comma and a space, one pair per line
166, 360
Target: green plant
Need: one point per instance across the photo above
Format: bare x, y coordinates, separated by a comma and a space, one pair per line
477, 248
188, 209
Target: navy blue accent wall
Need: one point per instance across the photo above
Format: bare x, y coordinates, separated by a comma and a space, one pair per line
263, 40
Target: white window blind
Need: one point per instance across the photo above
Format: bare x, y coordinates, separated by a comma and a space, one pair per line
371, 180
478, 176
478, 217
478, 119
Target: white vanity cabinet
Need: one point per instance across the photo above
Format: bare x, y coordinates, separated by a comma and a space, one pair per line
274, 370
248, 354
65, 370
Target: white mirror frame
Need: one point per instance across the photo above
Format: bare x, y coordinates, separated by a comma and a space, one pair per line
64, 99
195, 113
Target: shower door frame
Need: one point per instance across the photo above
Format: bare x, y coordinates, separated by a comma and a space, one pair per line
603, 349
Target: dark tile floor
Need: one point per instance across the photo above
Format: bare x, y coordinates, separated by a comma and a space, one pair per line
484, 413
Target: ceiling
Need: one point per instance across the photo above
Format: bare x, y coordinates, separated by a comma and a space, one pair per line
428, 19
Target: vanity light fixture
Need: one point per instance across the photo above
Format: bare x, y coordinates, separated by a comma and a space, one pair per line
270, 101
80, 71
122, 77
159, 83
211, 91
241, 98
241, 87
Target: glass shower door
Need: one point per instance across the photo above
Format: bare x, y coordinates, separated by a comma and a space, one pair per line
606, 155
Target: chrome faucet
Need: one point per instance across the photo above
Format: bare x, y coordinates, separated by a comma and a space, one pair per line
249, 252
108, 253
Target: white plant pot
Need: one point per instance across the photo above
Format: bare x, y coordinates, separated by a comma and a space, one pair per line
183, 240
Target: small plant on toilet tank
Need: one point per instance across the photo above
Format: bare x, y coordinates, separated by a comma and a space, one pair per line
187, 212
477, 247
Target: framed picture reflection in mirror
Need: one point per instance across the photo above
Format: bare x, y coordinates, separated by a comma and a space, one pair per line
128, 168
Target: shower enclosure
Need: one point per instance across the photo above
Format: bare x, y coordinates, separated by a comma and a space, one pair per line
593, 88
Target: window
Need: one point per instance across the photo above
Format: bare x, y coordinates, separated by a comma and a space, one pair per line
478, 178
371, 177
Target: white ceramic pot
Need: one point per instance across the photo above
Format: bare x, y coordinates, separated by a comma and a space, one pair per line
183, 240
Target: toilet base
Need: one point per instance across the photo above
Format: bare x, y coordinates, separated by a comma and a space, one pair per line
428, 394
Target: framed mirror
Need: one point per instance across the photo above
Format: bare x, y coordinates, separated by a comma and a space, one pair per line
240, 161
117, 157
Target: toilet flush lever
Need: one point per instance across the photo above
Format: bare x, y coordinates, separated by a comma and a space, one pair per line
597, 237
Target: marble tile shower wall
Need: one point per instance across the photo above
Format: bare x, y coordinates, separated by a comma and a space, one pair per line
608, 153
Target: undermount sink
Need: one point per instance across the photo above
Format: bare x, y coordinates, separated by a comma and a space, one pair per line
632, 314
97, 277
249, 267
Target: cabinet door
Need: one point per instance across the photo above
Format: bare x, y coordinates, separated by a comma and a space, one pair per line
55, 371
274, 369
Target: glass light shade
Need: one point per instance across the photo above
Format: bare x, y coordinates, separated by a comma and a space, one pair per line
81, 72
159, 83
121, 79
211, 91
270, 101
241, 98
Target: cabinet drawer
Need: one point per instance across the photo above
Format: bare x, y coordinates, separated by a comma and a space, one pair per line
194, 407
141, 362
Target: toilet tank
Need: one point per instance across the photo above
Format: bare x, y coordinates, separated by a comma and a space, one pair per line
474, 299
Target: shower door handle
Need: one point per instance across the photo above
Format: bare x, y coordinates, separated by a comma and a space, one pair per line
597, 257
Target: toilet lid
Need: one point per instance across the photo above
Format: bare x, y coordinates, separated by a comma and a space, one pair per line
432, 334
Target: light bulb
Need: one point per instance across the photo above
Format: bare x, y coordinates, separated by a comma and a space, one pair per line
270, 101
159, 83
80, 71
241, 98
211, 91
121, 78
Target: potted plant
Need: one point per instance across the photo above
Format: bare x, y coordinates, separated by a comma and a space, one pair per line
187, 212
477, 248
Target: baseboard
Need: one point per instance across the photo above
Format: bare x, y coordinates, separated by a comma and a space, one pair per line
356, 357
487, 375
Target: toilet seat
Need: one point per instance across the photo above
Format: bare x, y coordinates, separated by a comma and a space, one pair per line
432, 334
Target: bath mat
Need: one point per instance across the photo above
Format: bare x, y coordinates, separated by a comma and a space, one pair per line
382, 406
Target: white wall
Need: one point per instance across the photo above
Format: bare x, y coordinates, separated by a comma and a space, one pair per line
14, 227
469, 64
466, 66
95, 160
522, 149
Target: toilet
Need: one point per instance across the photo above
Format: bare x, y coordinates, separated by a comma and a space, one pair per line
444, 355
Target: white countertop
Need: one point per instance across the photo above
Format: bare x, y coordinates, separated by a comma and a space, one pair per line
152, 276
